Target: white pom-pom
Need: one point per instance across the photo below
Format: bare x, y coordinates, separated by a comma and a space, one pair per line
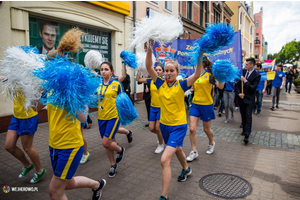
187, 93
161, 28
16, 67
141, 58
93, 59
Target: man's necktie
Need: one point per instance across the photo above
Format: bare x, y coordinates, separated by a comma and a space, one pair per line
247, 75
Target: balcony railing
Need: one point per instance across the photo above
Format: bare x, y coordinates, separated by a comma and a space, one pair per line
256, 41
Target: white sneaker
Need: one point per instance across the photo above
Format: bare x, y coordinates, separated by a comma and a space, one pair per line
160, 148
211, 148
226, 121
84, 158
192, 156
236, 108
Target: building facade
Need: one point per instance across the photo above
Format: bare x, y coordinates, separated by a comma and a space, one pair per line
243, 20
258, 41
103, 22
196, 14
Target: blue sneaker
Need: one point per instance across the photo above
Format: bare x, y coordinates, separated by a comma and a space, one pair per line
232, 116
163, 198
184, 174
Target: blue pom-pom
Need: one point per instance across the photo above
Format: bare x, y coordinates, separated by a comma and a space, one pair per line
224, 71
28, 49
68, 86
216, 36
126, 110
129, 58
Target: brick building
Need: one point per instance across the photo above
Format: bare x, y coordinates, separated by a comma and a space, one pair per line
196, 14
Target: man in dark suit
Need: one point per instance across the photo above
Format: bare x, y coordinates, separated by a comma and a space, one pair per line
246, 98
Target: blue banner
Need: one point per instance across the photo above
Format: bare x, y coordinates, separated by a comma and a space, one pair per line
177, 50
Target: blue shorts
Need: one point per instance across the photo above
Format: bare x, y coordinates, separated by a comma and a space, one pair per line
173, 135
205, 112
65, 161
154, 114
109, 128
24, 126
82, 125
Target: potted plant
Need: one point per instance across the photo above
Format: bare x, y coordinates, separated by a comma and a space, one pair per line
297, 85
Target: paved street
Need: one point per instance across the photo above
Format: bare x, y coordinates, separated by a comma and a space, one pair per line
271, 163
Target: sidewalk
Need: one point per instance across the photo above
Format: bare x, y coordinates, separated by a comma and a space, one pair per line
274, 172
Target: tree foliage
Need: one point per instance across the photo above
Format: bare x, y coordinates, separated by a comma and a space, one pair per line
287, 52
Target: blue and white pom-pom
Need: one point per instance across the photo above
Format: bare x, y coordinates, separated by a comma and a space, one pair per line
68, 86
129, 58
126, 110
16, 67
216, 36
224, 71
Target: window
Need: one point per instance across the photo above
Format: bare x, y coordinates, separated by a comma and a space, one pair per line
154, 2
189, 10
251, 30
256, 50
257, 24
201, 12
250, 48
216, 16
207, 12
257, 36
169, 5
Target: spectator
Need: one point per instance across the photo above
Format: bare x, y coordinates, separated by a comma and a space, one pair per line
289, 79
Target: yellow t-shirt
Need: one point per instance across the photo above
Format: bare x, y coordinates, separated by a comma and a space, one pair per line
107, 106
19, 111
171, 100
202, 90
63, 133
153, 93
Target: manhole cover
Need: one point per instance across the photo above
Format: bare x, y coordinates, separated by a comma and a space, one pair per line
226, 186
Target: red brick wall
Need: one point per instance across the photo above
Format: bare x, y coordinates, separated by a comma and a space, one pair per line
183, 8
196, 15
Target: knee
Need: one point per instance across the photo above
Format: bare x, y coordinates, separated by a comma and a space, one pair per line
9, 147
52, 193
106, 143
164, 162
193, 130
152, 129
27, 148
206, 130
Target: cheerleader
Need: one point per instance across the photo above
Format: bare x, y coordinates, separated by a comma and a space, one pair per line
154, 107
23, 125
173, 123
108, 117
202, 107
65, 138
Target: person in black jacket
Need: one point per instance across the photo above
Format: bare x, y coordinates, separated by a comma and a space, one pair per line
147, 98
126, 85
246, 97
289, 78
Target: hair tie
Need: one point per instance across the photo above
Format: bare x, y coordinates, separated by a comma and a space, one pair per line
60, 49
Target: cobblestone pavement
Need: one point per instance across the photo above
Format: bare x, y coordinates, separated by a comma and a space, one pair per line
271, 163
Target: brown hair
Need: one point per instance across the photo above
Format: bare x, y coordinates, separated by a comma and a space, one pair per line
207, 64
161, 66
69, 43
110, 67
175, 63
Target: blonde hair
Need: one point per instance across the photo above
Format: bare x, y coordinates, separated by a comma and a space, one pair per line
70, 42
175, 63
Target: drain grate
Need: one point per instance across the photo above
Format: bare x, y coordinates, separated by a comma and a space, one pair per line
226, 186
